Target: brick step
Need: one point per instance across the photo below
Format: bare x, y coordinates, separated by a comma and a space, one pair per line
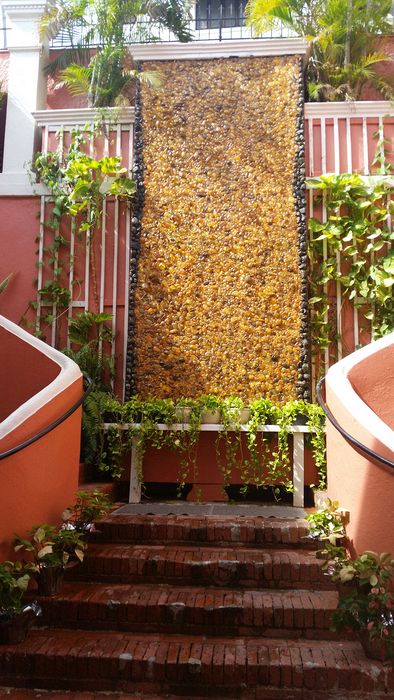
43, 694
180, 529
161, 608
193, 666
212, 566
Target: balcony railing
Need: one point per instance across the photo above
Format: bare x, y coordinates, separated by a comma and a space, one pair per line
200, 28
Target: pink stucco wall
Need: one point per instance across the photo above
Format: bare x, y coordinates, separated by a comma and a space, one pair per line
359, 394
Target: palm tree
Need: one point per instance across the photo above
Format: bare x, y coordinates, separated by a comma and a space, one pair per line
343, 41
98, 62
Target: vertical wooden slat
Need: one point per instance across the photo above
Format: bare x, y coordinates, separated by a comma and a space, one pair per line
40, 261
336, 147
365, 147
298, 469
126, 294
115, 275
349, 146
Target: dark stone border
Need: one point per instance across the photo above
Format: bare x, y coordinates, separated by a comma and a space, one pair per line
135, 233
303, 385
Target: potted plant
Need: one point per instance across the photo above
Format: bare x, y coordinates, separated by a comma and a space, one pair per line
369, 608
88, 507
326, 524
210, 407
15, 616
52, 549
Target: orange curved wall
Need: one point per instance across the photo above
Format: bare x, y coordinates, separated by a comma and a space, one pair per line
364, 488
20, 380
38, 482
373, 381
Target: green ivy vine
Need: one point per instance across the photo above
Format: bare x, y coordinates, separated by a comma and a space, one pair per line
359, 211
259, 464
78, 184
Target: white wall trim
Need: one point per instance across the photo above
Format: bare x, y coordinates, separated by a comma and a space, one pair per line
348, 109
82, 115
337, 380
216, 49
19, 185
69, 372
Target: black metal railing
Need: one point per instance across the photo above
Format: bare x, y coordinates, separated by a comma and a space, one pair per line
201, 28
53, 425
358, 446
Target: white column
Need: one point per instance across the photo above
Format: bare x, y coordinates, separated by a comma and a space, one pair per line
26, 90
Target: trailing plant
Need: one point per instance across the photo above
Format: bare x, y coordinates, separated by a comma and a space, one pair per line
352, 249
256, 464
229, 438
304, 413
253, 469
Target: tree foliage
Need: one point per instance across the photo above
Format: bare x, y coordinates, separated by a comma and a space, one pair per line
343, 40
98, 62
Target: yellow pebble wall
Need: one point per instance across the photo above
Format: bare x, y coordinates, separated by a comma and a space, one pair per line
217, 304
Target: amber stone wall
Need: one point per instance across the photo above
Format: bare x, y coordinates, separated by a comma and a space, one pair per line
217, 304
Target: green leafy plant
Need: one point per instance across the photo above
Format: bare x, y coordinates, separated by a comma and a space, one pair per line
369, 608
14, 580
358, 232
254, 468
98, 63
343, 37
326, 523
78, 184
51, 546
89, 507
258, 464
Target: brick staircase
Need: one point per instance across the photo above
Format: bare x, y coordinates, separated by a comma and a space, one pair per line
199, 607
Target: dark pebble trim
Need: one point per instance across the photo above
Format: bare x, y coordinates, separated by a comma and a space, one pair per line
299, 190
135, 233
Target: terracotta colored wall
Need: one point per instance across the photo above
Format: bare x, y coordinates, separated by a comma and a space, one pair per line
40, 480
361, 486
374, 381
32, 373
19, 228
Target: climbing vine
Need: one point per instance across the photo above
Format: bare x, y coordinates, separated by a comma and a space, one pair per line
353, 249
78, 184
